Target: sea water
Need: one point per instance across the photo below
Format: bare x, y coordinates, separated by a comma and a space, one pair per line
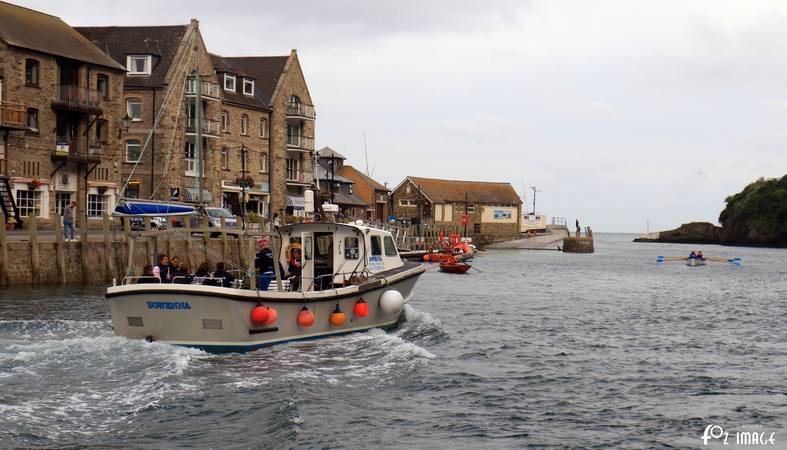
537, 349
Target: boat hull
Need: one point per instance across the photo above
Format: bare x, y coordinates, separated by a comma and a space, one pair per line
454, 268
218, 319
692, 262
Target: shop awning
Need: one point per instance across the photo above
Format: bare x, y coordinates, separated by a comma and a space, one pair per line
294, 201
191, 195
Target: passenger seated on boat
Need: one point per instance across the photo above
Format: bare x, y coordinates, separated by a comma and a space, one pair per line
147, 275
700, 255
202, 271
181, 275
294, 269
693, 255
162, 269
226, 277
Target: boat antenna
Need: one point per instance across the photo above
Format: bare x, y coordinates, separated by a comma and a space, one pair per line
366, 154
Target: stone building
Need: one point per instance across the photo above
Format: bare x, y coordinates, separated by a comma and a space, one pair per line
244, 146
158, 157
492, 209
60, 112
291, 127
336, 188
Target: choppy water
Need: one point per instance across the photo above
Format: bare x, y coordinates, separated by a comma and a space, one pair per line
541, 349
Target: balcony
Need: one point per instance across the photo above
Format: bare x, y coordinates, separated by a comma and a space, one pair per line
210, 127
210, 90
75, 151
300, 111
300, 143
13, 116
297, 177
77, 98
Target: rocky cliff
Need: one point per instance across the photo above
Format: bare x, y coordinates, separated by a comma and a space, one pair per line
756, 216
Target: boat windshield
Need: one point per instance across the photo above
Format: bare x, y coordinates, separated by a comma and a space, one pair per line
219, 212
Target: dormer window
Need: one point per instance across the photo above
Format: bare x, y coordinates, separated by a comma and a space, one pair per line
229, 82
138, 64
248, 87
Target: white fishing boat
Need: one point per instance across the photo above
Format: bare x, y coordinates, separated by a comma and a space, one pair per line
351, 279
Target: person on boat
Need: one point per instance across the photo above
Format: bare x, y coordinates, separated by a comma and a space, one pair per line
225, 276
202, 271
700, 256
181, 275
163, 270
693, 255
294, 244
294, 269
147, 275
263, 262
174, 265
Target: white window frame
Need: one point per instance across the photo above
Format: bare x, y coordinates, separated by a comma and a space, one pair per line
102, 201
471, 208
244, 124
229, 77
248, 83
139, 145
130, 67
128, 109
263, 162
34, 198
225, 121
225, 158
191, 162
263, 126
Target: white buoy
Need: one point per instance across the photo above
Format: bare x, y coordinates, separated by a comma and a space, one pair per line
391, 301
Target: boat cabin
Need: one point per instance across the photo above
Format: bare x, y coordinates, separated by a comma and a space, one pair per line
329, 255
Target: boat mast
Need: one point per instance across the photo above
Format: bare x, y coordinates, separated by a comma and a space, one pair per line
198, 125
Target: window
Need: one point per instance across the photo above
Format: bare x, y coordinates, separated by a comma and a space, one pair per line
28, 203
225, 153
138, 64
132, 190
294, 100
134, 109
351, 248
408, 203
471, 207
390, 247
96, 204
101, 130
190, 161
248, 86
31, 72
244, 124
133, 150
263, 162
229, 82
225, 121
263, 126
376, 247
62, 200
32, 119
102, 86
476, 228
459, 207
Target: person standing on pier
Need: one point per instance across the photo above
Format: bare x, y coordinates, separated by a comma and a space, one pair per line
68, 220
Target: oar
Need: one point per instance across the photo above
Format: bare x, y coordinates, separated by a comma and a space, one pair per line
734, 261
475, 269
661, 259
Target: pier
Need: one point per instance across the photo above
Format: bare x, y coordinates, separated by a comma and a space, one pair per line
579, 243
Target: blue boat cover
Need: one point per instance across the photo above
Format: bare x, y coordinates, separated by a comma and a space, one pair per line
152, 208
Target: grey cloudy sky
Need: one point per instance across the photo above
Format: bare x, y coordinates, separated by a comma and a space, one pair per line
619, 111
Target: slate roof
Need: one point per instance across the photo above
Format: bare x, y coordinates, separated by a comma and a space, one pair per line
364, 186
266, 70
224, 65
441, 191
33, 30
160, 41
327, 152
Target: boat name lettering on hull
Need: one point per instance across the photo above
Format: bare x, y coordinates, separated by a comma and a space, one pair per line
169, 305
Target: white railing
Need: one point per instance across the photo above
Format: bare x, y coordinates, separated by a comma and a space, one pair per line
300, 110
